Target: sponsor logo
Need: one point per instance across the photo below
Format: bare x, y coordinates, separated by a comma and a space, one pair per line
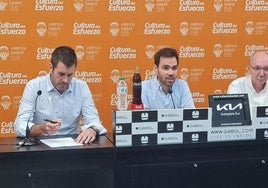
51, 29
78, 5
115, 75
55, 5
149, 74
156, 29
144, 139
8, 28
149, 5
6, 102
41, 28
3, 5
224, 74
7, 127
157, 6
191, 6
80, 51
224, 28
122, 5
256, 6
118, 129
226, 50
144, 116
198, 97
16, 78
86, 29
150, 51
195, 137
229, 107
122, 53
250, 49
193, 29
44, 53
89, 77
191, 52
4, 53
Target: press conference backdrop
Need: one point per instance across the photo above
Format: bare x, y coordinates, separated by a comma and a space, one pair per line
214, 40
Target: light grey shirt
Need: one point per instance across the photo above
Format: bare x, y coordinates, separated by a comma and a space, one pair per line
67, 107
153, 96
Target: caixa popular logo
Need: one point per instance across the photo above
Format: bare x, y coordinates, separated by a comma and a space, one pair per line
229, 107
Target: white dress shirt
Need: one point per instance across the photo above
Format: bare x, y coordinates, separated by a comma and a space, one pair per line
244, 85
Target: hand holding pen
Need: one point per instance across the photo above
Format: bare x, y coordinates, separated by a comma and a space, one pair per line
51, 121
52, 126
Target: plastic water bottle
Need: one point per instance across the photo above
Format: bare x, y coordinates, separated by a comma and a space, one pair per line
122, 92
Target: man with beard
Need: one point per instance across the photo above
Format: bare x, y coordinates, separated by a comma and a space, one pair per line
254, 83
55, 103
165, 90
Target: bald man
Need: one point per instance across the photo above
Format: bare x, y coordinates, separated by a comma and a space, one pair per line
254, 83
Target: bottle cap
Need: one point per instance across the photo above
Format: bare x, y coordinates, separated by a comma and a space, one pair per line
137, 69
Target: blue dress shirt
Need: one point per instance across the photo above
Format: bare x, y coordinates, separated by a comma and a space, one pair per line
67, 107
153, 96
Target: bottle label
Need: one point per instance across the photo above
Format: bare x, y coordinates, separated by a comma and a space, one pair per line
137, 84
121, 90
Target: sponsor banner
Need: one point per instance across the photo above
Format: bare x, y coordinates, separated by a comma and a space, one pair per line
112, 37
233, 133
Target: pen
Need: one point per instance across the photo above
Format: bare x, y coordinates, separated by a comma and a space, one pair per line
48, 120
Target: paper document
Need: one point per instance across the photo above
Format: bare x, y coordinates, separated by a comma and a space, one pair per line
60, 142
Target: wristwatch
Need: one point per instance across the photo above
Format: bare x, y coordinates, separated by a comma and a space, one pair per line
95, 129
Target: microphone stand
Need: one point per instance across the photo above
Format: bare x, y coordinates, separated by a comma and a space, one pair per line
170, 92
27, 141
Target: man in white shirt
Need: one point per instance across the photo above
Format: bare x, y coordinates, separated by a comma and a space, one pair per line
254, 83
53, 104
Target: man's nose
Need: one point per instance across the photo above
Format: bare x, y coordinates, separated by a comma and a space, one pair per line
65, 79
170, 71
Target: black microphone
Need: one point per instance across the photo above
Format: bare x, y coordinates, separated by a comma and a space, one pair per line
170, 92
27, 140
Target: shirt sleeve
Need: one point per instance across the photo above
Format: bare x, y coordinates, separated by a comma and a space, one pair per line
26, 109
144, 90
89, 111
234, 88
186, 100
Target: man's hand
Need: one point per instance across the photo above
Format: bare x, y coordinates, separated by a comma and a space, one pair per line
86, 136
52, 128
47, 128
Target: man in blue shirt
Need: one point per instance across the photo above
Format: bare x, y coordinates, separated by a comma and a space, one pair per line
165, 90
54, 104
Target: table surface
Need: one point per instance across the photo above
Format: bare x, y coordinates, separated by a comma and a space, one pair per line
10, 144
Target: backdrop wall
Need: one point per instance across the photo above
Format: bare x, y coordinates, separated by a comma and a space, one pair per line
214, 40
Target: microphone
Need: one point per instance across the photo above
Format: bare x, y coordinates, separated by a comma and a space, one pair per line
170, 92
27, 140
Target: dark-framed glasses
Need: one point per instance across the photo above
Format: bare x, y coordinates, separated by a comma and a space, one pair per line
258, 69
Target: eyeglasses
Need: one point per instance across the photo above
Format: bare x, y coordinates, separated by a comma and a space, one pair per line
258, 69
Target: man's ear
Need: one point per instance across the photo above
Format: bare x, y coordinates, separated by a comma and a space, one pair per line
155, 70
50, 67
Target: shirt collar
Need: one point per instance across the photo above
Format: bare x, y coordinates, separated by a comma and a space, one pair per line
157, 85
51, 88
